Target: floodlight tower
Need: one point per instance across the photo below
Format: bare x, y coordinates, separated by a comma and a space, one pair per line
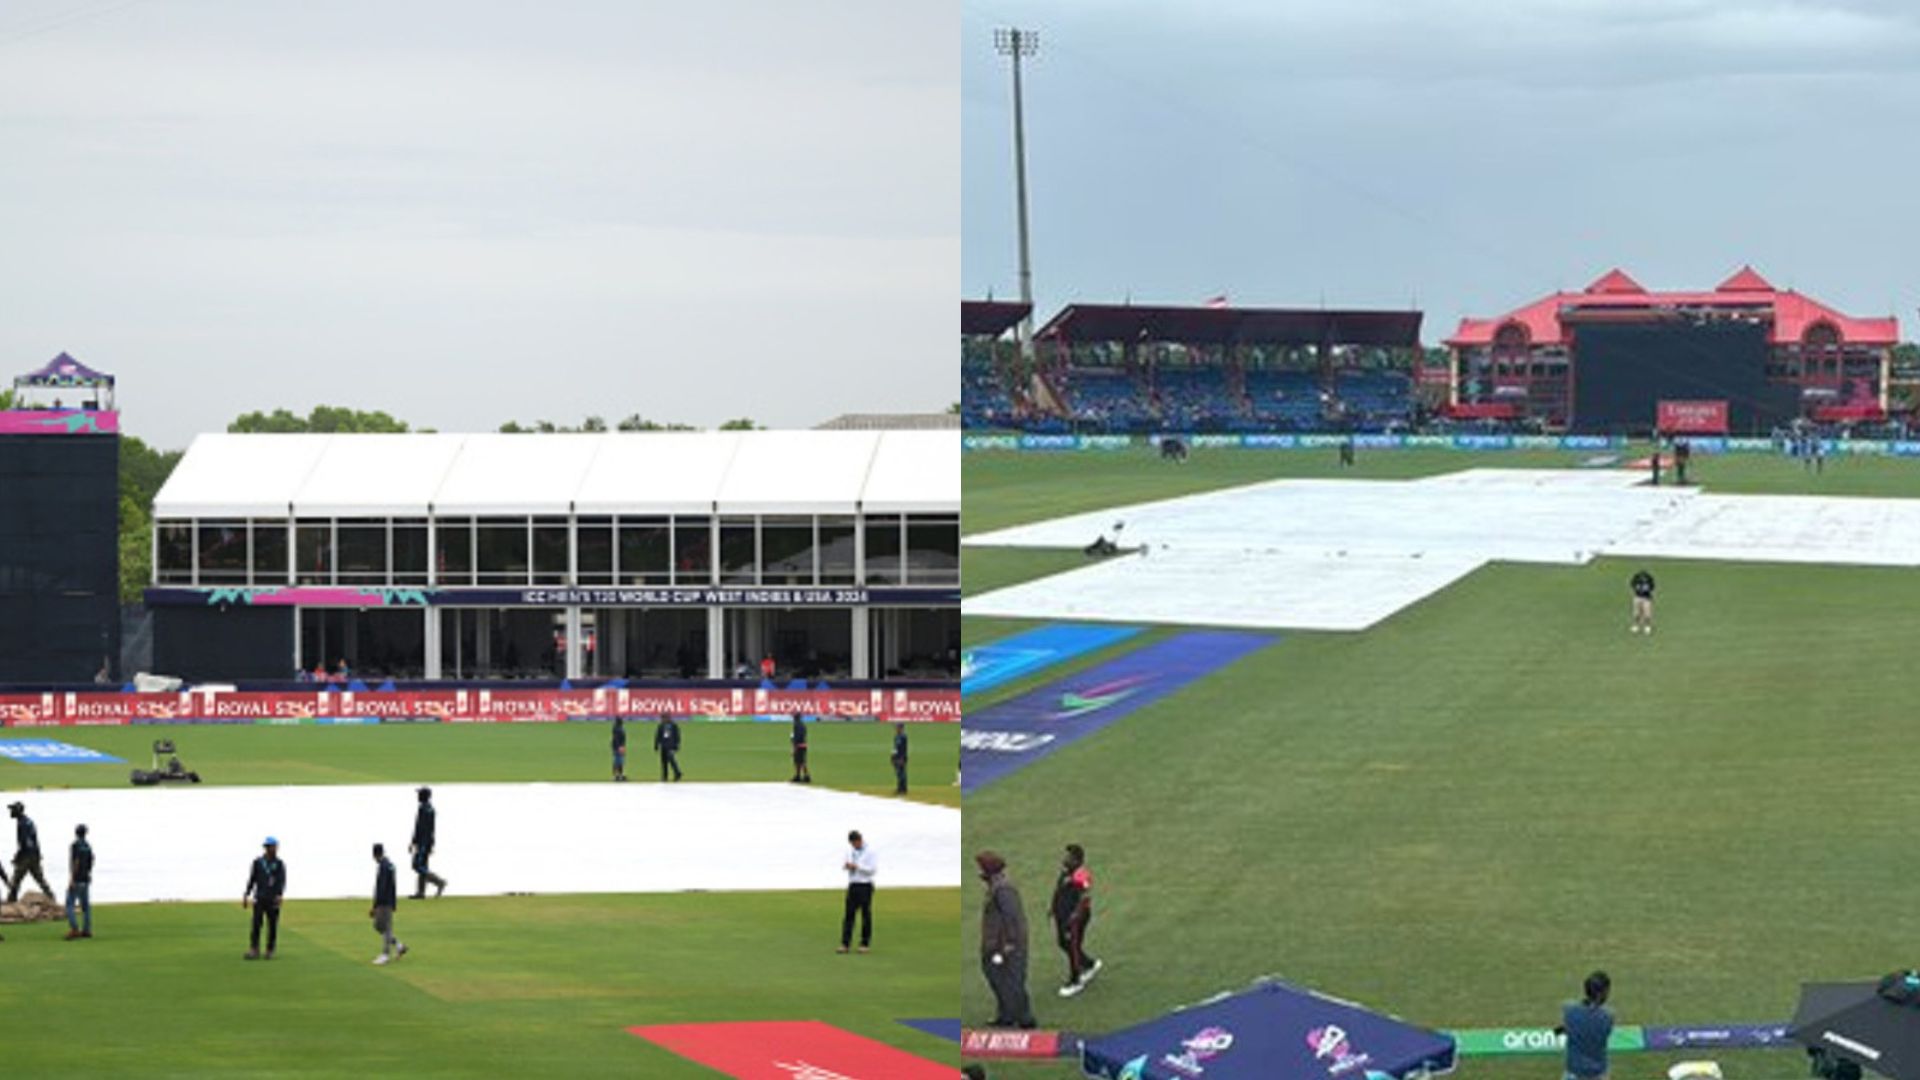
1015, 43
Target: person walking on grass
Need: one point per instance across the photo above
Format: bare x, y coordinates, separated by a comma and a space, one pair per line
385, 899
1003, 944
422, 847
266, 887
1072, 912
619, 748
666, 739
1587, 1025
860, 867
26, 853
798, 738
899, 759
80, 885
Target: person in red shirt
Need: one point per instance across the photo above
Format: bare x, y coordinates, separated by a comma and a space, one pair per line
1072, 911
766, 666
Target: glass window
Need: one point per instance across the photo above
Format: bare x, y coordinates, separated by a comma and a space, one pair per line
362, 557
503, 551
313, 552
933, 551
453, 551
883, 549
836, 551
786, 549
223, 551
410, 551
550, 551
692, 551
644, 554
175, 554
737, 552
594, 537
270, 552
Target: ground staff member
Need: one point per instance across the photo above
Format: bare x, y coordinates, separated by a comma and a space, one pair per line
899, 759
385, 899
26, 855
619, 748
860, 866
266, 885
798, 737
666, 739
1003, 944
422, 847
80, 884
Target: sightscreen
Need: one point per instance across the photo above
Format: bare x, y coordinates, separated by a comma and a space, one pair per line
59, 557
1622, 372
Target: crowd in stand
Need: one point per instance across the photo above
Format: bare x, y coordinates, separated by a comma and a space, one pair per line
1212, 399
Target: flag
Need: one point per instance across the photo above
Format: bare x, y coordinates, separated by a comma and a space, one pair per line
1217, 303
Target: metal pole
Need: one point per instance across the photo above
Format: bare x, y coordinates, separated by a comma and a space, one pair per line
1015, 43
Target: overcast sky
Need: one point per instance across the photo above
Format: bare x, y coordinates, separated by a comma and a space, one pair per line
471, 212
1462, 156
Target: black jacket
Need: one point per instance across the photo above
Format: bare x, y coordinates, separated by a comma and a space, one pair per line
26, 838
267, 882
385, 894
900, 746
80, 862
620, 737
423, 827
799, 736
667, 736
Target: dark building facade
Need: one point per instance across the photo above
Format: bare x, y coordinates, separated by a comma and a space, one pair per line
59, 556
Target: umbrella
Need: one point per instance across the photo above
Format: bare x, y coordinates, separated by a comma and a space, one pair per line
1852, 1022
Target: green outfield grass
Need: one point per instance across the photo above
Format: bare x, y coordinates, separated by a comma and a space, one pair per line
1457, 814
849, 756
509, 986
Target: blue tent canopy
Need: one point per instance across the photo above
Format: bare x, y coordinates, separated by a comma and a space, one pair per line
1274, 1031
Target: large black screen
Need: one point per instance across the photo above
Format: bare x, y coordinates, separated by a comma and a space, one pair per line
1621, 373
59, 557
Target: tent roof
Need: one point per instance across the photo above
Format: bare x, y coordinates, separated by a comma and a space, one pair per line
239, 476
915, 472
667, 472
64, 370
1233, 326
800, 472
755, 472
991, 318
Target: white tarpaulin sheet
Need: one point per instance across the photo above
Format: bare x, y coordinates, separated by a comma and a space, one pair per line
196, 843
1344, 554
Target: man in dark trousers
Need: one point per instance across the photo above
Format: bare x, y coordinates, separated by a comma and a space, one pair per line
1642, 586
385, 899
798, 737
899, 759
619, 748
1072, 911
422, 847
666, 739
266, 885
1003, 944
26, 854
860, 867
80, 885
1682, 455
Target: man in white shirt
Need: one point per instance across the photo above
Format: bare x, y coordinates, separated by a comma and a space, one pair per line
860, 866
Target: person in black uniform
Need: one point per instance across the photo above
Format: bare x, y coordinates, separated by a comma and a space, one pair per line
666, 739
1682, 454
422, 847
80, 885
801, 774
26, 855
1072, 913
266, 885
619, 748
1642, 585
899, 759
